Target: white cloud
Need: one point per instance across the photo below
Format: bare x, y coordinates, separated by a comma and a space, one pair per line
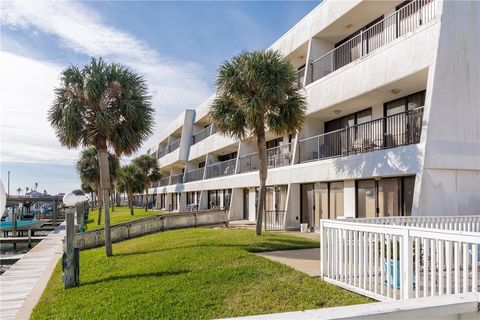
174, 85
26, 92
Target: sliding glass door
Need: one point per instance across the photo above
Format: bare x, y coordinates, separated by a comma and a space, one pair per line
388, 197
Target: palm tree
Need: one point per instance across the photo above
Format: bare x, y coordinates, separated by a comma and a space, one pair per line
26, 190
131, 181
89, 172
36, 186
150, 171
105, 106
256, 91
19, 190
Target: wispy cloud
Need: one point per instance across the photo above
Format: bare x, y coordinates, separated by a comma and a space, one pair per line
174, 85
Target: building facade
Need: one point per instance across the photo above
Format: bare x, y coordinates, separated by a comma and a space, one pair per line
392, 126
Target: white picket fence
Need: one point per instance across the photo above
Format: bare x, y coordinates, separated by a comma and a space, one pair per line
417, 257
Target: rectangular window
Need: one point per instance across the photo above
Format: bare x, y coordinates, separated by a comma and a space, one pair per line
227, 196
387, 197
226, 157
349, 120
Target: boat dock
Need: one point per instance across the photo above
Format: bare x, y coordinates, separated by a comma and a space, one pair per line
23, 283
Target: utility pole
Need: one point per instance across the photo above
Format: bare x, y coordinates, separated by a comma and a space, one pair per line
8, 183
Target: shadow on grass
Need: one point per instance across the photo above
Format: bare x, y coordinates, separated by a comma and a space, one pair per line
135, 276
268, 245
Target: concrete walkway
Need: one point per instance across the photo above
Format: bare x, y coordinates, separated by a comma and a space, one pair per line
304, 260
23, 283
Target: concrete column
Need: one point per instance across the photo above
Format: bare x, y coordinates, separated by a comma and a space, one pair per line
182, 205
292, 220
349, 199
236, 204
251, 202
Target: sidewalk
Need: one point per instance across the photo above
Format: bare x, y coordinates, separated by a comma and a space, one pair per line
304, 260
23, 283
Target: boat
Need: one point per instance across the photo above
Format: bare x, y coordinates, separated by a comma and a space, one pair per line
21, 224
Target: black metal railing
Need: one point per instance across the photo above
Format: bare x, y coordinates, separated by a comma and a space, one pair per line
202, 134
194, 175
164, 181
276, 157
219, 169
274, 220
402, 21
174, 145
391, 131
300, 76
176, 179
161, 152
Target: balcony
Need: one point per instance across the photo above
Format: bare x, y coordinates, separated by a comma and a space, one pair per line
174, 145
276, 157
164, 181
300, 75
161, 152
224, 168
178, 178
203, 134
391, 131
194, 175
401, 22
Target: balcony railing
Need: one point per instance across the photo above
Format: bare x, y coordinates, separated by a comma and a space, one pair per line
224, 168
174, 145
202, 134
300, 76
404, 20
276, 157
391, 131
164, 181
161, 152
194, 175
176, 179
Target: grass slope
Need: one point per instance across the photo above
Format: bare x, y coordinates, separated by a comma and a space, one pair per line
189, 274
119, 215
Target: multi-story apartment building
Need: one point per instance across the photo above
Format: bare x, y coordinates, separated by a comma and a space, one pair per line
392, 127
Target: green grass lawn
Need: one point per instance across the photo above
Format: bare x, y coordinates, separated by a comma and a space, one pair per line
189, 274
120, 214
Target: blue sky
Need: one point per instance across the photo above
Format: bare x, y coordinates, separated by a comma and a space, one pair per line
176, 45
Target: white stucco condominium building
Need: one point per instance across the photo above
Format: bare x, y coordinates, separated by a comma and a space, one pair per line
392, 126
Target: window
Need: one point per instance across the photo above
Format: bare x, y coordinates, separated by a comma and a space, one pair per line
321, 200
175, 201
406, 103
349, 120
214, 197
388, 197
201, 165
227, 196
274, 143
226, 157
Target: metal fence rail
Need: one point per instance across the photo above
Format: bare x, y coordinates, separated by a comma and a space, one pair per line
174, 145
224, 168
274, 220
391, 131
194, 175
178, 178
202, 134
276, 157
404, 20
164, 181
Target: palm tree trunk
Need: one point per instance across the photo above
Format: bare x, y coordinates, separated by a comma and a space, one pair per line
262, 155
105, 185
130, 202
100, 207
146, 197
112, 201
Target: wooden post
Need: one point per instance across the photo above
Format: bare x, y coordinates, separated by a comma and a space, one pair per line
69, 278
14, 226
29, 237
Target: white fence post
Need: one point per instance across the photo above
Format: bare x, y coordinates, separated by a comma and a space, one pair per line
407, 265
323, 243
